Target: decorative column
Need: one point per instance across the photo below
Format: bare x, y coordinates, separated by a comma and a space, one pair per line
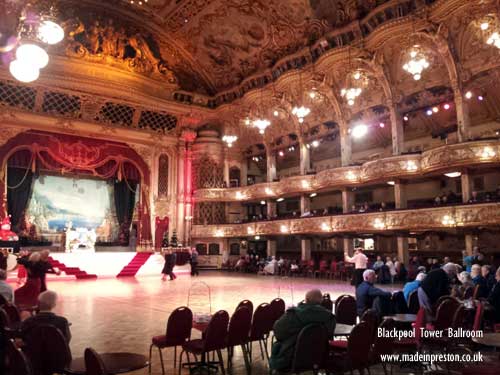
463, 116
345, 146
271, 208
348, 246
397, 130
469, 243
185, 186
305, 204
271, 164
244, 172
347, 200
400, 198
403, 253
271, 248
466, 190
305, 247
305, 157
226, 168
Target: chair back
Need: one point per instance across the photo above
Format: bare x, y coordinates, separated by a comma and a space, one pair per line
239, 327
260, 322
327, 303
179, 325
216, 333
419, 324
345, 310
359, 343
310, 349
370, 317
3, 301
337, 301
93, 363
12, 312
277, 307
246, 303
478, 317
459, 317
445, 311
468, 292
399, 303
383, 344
413, 304
47, 349
19, 364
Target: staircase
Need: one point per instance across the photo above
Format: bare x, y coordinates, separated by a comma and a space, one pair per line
75, 271
135, 265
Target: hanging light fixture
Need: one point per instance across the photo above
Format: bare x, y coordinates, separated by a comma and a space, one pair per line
490, 29
417, 62
261, 122
301, 111
35, 28
229, 139
355, 82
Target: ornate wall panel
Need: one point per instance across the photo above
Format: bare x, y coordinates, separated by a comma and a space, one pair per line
487, 214
405, 166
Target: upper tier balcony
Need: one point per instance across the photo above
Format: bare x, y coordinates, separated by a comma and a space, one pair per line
434, 218
438, 160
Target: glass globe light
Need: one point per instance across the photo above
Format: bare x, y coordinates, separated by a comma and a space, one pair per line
23, 71
33, 55
50, 32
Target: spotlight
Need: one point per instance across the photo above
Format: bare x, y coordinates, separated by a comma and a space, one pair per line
453, 174
275, 113
382, 125
484, 26
405, 118
312, 195
468, 94
315, 143
429, 112
435, 109
280, 199
480, 98
263, 203
281, 153
359, 131
392, 183
446, 106
257, 238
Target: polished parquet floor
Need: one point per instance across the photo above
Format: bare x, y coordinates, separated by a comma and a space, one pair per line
123, 314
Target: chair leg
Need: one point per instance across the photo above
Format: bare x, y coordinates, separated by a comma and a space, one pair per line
245, 358
221, 360
161, 361
180, 361
150, 356
261, 349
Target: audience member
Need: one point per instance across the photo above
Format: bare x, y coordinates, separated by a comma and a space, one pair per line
479, 280
368, 296
360, 261
6, 291
287, 328
468, 260
458, 291
494, 297
413, 285
436, 284
271, 267
488, 276
47, 301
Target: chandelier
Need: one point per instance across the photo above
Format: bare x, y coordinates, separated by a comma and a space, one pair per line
259, 121
492, 36
261, 124
229, 139
34, 30
354, 86
417, 63
301, 111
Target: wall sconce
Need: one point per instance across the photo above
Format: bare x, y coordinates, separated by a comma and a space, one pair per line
379, 224
268, 191
325, 227
250, 231
448, 220
411, 166
305, 184
219, 233
487, 153
351, 176
239, 195
284, 229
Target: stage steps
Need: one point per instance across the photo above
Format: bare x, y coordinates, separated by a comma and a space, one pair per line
75, 271
135, 265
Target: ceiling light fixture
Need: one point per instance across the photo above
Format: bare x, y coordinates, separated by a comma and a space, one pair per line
392, 183
280, 199
417, 62
468, 94
359, 131
312, 195
229, 139
453, 174
315, 143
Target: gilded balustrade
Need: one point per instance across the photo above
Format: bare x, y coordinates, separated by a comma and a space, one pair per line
434, 218
405, 166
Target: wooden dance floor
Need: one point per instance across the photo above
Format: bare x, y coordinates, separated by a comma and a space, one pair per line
123, 314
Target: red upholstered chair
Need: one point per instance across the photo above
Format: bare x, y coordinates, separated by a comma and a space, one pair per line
18, 363
412, 343
357, 355
214, 340
382, 344
93, 363
178, 331
310, 349
413, 304
260, 328
326, 302
246, 303
237, 334
47, 349
323, 269
444, 314
370, 317
478, 317
277, 307
345, 310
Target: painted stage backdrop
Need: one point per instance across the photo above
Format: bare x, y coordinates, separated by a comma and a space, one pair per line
61, 203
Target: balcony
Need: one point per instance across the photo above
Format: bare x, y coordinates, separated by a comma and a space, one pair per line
435, 218
437, 160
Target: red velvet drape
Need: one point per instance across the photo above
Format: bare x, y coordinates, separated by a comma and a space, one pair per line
67, 154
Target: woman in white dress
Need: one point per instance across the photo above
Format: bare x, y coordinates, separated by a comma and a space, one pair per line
270, 268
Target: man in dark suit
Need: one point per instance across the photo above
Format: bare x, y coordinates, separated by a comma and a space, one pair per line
47, 301
369, 296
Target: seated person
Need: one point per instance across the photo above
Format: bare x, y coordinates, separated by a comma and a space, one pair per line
47, 302
488, 276
287, 328
478, 279
6, 291
412, 285
366, 294
436, 284
458, 291
494, 297
378, 264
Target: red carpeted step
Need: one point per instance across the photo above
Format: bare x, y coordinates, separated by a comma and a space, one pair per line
75, 271
134, 265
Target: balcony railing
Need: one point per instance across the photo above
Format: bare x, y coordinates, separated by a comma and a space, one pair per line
436, 218
440, 159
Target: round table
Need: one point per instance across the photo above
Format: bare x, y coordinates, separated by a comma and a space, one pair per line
343, 329
115, 363
402, 318
488, 339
